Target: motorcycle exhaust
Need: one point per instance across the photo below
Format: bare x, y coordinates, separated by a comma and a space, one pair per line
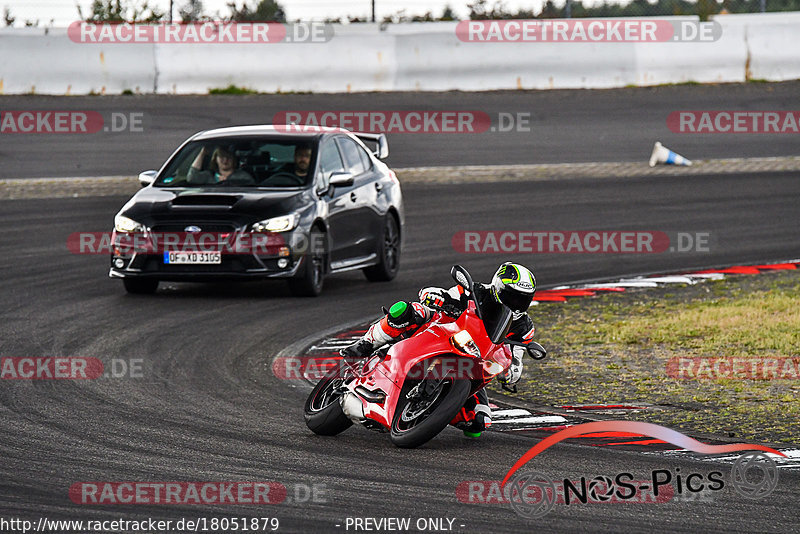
353, 408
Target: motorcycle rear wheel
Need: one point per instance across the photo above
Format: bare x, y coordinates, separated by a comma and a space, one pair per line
323, 413
417, 421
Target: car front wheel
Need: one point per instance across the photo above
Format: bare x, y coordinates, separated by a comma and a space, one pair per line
309, 284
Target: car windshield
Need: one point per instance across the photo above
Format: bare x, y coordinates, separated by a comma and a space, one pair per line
241, 162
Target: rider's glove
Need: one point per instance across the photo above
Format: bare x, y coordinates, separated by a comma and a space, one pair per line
357, 351
514, 372
439, 299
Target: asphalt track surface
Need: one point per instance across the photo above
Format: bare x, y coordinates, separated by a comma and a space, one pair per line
207, 407
565, 126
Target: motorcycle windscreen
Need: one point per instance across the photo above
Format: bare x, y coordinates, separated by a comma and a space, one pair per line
497, 319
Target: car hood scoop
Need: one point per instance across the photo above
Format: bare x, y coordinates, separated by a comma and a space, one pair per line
156, 205
195, 200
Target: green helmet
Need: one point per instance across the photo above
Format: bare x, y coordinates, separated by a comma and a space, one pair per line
514, 285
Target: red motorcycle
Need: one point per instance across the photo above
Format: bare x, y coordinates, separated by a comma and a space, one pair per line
416, 387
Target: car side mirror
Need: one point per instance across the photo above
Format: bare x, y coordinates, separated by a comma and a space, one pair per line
341, 179
382, 151
147, 178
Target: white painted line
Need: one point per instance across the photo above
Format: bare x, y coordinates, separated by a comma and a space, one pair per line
329, 344
792, 460
637, 280
672, 280
708, 276
509, 413
623, 283
529, 420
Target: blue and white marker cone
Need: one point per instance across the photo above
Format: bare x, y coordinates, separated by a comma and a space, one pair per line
662, 154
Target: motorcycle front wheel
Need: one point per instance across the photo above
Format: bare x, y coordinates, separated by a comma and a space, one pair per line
416, 421
323, 413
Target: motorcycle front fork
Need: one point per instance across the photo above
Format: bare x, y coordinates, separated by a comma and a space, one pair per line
426, 387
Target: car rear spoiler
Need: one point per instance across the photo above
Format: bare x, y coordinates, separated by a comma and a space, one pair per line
382, 150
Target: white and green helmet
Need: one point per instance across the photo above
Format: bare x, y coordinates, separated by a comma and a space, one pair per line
514, 285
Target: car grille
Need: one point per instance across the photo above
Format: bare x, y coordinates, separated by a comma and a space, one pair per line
204, 227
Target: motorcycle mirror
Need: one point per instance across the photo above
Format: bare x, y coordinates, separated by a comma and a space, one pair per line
461, 276
536, 351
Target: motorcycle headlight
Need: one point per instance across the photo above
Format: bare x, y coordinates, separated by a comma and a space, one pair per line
127, 225
284, 223
464, 342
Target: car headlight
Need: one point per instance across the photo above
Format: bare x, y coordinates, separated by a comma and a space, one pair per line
127, 225
284, 223
464, 342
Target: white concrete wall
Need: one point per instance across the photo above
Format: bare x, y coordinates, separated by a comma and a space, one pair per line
416, 56
772, 42
34, 60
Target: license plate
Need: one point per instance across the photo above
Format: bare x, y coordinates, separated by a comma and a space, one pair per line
192, 258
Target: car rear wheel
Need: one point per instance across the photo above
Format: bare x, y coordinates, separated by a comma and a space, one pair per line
137, 286
389, 253
309, 284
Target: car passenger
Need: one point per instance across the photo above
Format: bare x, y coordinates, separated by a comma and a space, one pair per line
222, 169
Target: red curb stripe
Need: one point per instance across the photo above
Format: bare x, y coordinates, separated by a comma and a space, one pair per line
619, 289
349, 333
569, 292
559, 295
738, 269
325, 353
777, 266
